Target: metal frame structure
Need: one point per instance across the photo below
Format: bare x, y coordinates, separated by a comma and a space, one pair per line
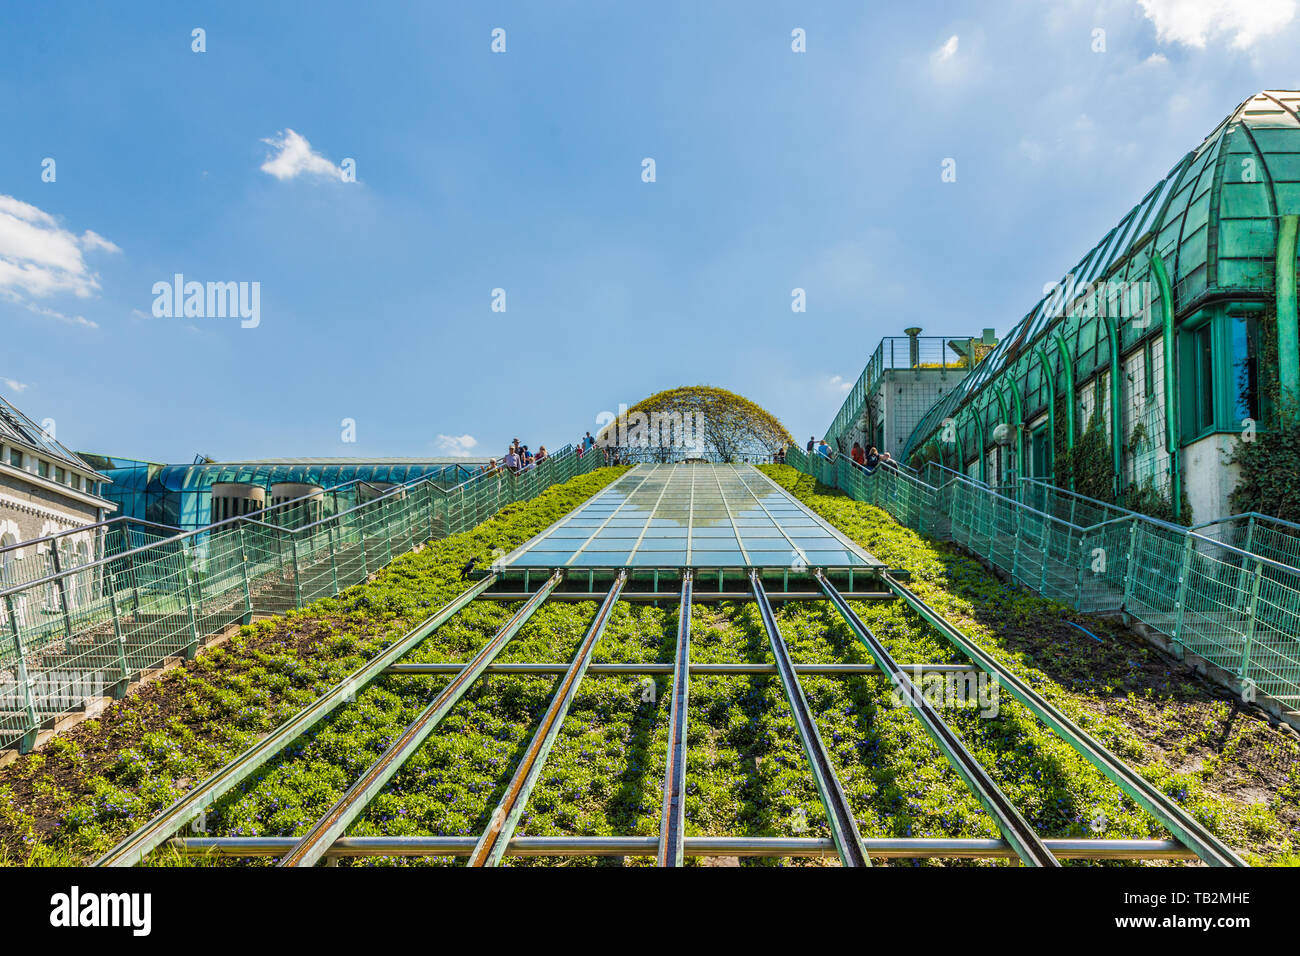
327, 840
1212, 244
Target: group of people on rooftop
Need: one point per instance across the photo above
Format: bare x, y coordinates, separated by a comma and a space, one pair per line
868, 458
519, 459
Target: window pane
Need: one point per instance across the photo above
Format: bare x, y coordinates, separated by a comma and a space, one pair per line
1204, 379
1245, 371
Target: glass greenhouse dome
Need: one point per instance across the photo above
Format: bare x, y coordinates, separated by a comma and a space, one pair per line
1160, 336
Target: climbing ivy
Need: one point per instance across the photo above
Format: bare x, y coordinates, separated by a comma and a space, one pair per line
1091, 462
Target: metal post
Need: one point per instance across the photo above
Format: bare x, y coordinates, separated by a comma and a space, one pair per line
120, 685
433, 528
297, 581
334, 564
135, 580
1168, 341
1129, 572
1078, 573
1015, 552
24, 679
1042, 547
191, 649
243, 566
1288, 339
61, 585
388, 532
1180, 603
1249, 635
361, 538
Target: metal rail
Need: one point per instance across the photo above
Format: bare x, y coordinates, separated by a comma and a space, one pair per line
700, 597
898, 848
636, 670
1015, 829
672, 823
844, 828
187, 807
316, 841
492, 844
1183, 826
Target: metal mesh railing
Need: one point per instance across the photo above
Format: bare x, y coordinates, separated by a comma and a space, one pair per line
69, 638
38, 558
1231, 596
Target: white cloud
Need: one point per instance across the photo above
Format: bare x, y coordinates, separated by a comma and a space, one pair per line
837, 383
1194, 22
39, 258
92, 240
14, 385
457, 445
294, 157
48, 313
951, 63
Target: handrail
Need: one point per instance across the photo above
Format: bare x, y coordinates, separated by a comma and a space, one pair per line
1257, 515
959, 474
82, 529
130, 519
249, 520
1093, 528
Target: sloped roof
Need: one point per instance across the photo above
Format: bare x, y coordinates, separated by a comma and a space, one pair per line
1213, 220
18, 429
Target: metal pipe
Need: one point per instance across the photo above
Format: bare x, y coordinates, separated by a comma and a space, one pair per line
82, 529
314, 843
672, 824
1179, 822
700, 597
1288, 338
546, 846
702, 670
492, 843
844, 828
185, 808
1015, 829
1168, 335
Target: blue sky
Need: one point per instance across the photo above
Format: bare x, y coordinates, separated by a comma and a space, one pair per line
522, 171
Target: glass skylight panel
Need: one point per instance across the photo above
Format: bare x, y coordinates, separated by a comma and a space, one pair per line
702, 516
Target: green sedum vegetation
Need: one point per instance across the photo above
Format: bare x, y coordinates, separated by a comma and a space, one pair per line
746, 772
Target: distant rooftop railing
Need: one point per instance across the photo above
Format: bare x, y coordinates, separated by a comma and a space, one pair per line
895, 353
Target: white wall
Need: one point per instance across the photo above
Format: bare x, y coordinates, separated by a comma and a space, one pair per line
1207, 480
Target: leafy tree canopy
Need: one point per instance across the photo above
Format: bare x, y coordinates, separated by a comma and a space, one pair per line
716, 423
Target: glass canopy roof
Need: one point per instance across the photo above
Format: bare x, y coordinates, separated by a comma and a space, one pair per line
691, 515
